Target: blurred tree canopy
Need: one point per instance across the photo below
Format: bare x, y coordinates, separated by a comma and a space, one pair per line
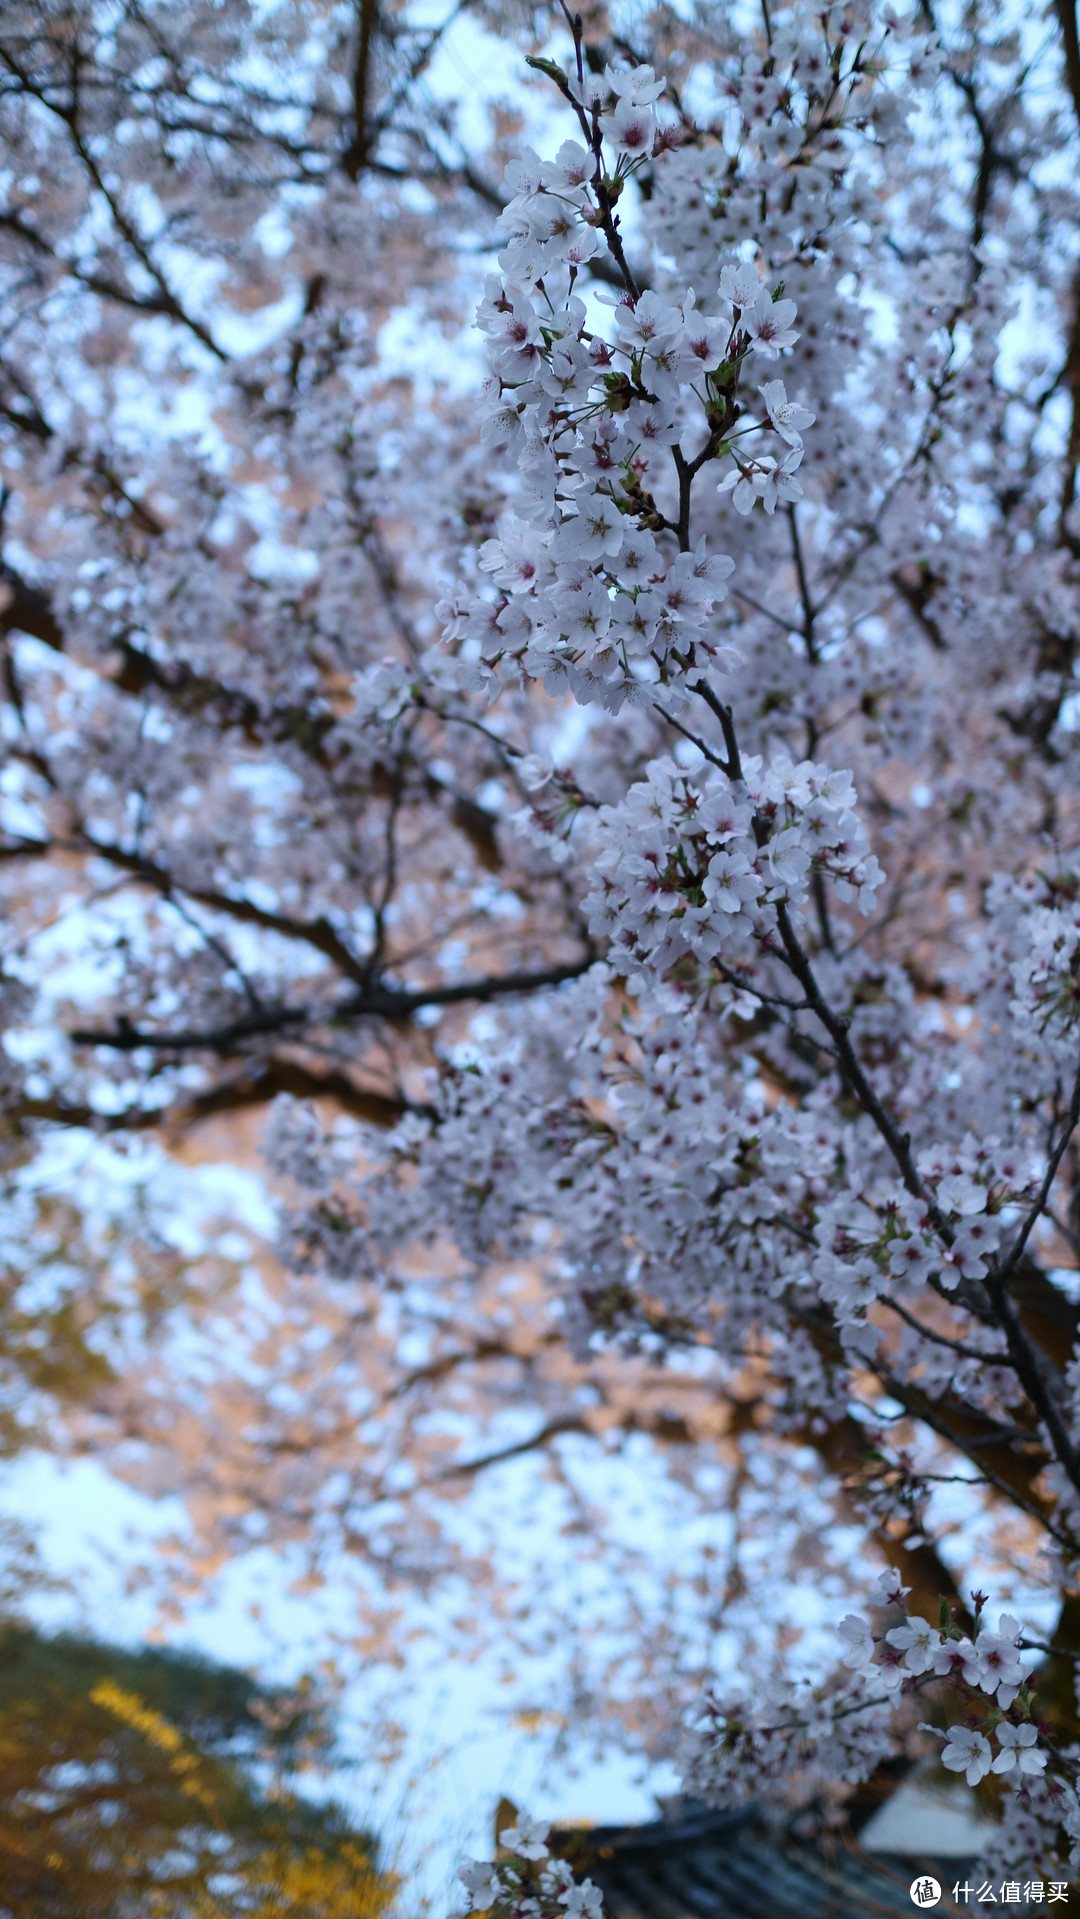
152, 1785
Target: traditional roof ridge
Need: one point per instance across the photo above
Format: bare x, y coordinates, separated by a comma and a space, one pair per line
698, 1863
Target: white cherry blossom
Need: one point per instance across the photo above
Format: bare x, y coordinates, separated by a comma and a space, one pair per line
583, 1901
788, 417
1018, 1752
527, 1837
967, 1751
482, 1884
768, 324
919, 1643
741, 285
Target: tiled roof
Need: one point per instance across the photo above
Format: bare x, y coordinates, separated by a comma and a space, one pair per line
713, 1865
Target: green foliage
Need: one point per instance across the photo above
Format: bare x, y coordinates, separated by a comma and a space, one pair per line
151, 1785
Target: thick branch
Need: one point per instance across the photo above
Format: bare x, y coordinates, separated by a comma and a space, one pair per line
373, 1002
355, 159
255, 1088
1070, 41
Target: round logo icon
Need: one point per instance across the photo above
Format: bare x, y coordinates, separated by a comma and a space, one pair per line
924, 1892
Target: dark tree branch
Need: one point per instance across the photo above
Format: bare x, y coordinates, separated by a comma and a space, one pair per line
941, 1339
1070, 41
374, 1002
256, 1087
354, 159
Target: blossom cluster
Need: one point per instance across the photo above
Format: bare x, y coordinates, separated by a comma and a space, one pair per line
873, 1244
814, 1736
1024, 973
532, 1885
796, 119
981, 1666
971, 1191
596, 586
693, 861
800, 1741
1047, 976
993, 1662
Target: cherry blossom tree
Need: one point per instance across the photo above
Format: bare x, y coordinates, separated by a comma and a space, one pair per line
625, 823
